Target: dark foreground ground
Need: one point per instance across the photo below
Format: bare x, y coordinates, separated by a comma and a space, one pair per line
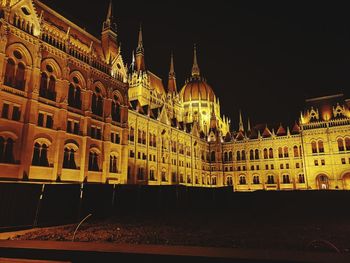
289, 231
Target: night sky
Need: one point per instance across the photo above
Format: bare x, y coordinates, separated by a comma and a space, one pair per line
263, 58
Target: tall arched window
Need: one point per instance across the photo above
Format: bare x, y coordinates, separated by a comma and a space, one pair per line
242, 180
314, 147
10, 73
225, 157
243, 155
132, 134
40, 155
43, 85
271, 153
238, 156
230, 157
347, 143
320, 147
212, 156
341, 144
8, 153
116, 109
266, 156
113, 164
52, 88
93, 162
74, 94
97, 102
20, 81
280, 153
48, 85
251, 154
285, 151
69, 158
295, 150
257, 154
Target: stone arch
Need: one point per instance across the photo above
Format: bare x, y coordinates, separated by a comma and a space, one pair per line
77, 74
118, 94
27, 57
43, 139
322, 181
98, 84
8, 134
54, 64
346, 180
95, 149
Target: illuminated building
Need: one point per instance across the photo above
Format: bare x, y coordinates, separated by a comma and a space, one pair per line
70, 111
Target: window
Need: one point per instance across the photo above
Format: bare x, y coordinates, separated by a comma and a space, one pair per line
238, 156
281, 166
40, 155
138, 155
16, 113
243, 168
297, 165
316, 162
93, 162
251, 155
97, 102
320, 147
323, 162
257, 167
271, 153
115, 138
347, 143
116, 114
256, 180
286, 179
225, 157
343, 161
212, 156
113, 164
243, 155
69, 158
230, 157
280, 153
47, 86
213, 180
132, 134
286, 153
296, 152
266, 166
257, 154
270, 179
272, 167
174, 178
74, 94
95, 132
5, 111
340, 145
229, 181
252, 167
152, 176
49, 121
314, 147
41, 120
301, 179
287, 165
6, 150
265, 154
141, 174
242, 180
20, 80
10, 73
164, 177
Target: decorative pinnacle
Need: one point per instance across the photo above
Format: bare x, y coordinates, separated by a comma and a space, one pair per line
195, 67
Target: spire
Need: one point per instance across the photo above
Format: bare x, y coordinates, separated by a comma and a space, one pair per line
140, 57
195, 68
241, 127
140, 42
248, 124
172, 80
109, 23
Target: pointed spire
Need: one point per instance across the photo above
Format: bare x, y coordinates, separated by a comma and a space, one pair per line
195, 67
241, 127
140, 57
248, 125
172, 80
140, 41
109, 23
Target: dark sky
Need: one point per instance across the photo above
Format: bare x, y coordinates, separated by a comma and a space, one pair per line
264, 57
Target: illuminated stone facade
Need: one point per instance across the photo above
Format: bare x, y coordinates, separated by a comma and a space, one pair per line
70, 111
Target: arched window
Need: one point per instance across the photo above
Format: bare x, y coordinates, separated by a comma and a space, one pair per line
154, 140
256, 180
286, 179
97, 102
93, 162
280, 153
40, 155
43, 85
238, 156
144, 136
52, 89
2, 149
295, 150
242, 180
270, 179
314, 147
230, 157
113, 164
10, 73
20, 81
271, 153
43, 156
251, 155
243, 155
320, 147
48, 86
8, 153
257, 154
347, 143
116, 109
265, 154
212, 156
36, 154
341, 144
229, 181
286, 153
301, 179
225, 157
132, 134
69, 159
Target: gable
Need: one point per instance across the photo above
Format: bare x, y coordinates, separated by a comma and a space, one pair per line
24, 14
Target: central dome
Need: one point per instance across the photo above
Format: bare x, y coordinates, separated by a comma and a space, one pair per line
197, 89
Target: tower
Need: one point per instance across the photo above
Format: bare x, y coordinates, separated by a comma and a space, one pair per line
140, 53
172, 79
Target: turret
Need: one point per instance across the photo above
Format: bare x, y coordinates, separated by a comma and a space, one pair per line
140, 53
172, 79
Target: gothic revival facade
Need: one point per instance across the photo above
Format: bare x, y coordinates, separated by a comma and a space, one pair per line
71, 111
